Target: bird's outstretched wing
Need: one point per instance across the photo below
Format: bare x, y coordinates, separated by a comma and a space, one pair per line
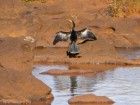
85, 34
61, 36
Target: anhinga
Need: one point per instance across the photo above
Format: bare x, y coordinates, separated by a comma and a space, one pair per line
73, 36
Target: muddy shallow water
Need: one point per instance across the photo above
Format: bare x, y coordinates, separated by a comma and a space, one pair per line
120, 84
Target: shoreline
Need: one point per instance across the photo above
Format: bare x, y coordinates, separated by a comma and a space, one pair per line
28, 25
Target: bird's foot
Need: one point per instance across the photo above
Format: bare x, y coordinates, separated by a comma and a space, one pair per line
72, 55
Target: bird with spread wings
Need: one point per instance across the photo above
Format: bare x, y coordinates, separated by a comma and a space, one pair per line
74, 36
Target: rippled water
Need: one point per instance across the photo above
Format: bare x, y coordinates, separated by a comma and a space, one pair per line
121, 85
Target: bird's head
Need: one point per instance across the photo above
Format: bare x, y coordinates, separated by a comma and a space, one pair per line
73, 24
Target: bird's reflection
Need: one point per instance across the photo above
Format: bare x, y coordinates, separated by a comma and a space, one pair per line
74, 85
73, 81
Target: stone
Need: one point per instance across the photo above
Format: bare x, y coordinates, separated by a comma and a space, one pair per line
90, 99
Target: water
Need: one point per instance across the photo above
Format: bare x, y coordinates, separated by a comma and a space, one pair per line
121, 85
129, 53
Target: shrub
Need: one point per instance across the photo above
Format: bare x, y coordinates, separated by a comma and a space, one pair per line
116, 8
119, 8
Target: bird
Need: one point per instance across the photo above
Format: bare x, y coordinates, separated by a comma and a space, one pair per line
73, 35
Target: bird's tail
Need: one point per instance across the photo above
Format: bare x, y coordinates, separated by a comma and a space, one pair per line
73, 48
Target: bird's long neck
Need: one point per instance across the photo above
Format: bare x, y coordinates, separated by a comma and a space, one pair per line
73, 33
73, 25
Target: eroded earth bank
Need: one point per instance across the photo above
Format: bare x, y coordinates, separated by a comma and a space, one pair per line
27, 32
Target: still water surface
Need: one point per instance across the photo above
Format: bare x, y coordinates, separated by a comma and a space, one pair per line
129, 53
122, 85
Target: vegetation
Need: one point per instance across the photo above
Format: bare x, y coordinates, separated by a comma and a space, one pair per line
134, 4
116, 8
119, 8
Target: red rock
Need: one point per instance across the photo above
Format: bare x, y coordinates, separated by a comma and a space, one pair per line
90, 99
17, 84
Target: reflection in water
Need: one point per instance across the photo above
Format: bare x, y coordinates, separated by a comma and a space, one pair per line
121, 85
65, 87
73, 86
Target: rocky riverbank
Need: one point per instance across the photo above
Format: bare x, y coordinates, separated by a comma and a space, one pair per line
16, 80
28, 26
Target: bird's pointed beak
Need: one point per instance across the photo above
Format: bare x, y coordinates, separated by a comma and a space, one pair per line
69, 20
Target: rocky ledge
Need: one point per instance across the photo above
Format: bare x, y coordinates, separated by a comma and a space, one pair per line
89, 99
18, 85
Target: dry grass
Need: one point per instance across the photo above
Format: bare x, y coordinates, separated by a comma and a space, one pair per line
134, 4
116, 8
119, 8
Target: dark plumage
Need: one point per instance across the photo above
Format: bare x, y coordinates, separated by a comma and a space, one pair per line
73, 36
